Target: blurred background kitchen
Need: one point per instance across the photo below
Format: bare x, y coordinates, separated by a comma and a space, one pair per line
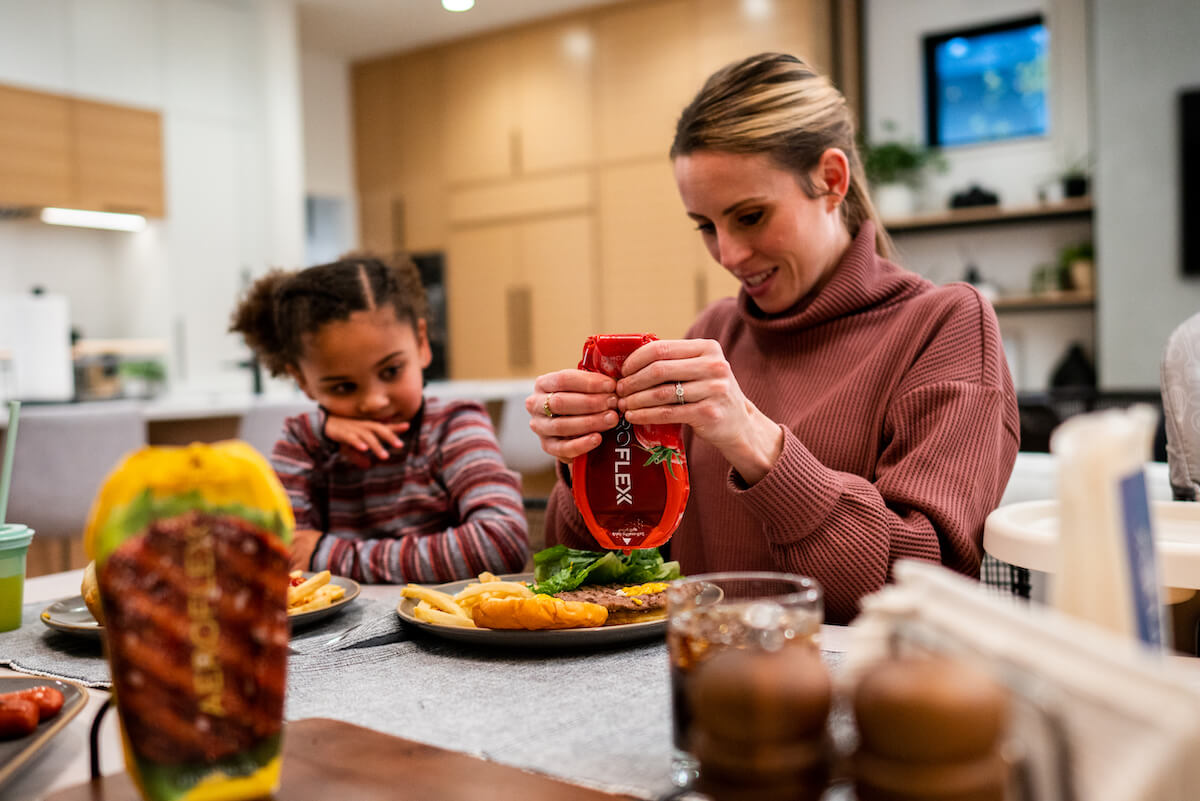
518, 150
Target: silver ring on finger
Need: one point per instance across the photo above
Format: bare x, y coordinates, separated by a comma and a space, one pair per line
679, 393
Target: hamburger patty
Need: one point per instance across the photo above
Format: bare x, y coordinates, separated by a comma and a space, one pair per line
158, 674
607, 596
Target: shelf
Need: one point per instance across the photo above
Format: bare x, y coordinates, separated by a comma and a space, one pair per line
1051, 301
1074, 208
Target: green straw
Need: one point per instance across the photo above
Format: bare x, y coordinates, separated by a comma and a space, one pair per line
10, 446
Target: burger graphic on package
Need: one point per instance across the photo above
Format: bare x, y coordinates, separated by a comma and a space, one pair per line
190, 551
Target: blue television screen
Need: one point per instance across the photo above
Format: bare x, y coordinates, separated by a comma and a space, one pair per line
987, 83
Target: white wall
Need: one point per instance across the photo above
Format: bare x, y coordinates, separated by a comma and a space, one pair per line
224, 74
1143, 57
895, 91
329, 154
1006, 256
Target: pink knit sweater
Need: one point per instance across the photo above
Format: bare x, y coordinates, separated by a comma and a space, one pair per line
900, 431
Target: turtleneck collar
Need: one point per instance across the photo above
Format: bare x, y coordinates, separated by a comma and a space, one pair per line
861, 280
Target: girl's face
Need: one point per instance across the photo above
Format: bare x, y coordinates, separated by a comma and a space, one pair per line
758, 223
368, 366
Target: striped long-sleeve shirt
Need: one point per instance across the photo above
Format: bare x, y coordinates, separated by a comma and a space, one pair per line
443, 507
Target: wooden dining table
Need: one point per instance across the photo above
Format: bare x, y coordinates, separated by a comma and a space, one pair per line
467, 719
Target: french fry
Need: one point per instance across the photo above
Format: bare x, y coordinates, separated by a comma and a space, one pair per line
485, 577
302, 592
436, 599
430, 615
323, 597
497, 589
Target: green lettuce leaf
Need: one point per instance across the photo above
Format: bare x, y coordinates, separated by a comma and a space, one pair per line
559, 568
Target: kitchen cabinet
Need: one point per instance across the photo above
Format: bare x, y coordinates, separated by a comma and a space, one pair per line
480, 109
645, 73
520, 298
118, 159
554, 118
36, 162
649, 274
62, 151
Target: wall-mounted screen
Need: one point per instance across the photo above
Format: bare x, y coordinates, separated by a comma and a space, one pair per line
987, 83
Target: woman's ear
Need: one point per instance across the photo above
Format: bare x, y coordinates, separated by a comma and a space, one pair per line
423, 348
833, 173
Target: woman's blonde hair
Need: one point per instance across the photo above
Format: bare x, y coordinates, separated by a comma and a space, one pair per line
775, 104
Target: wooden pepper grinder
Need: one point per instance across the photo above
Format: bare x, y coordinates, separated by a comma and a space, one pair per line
930, 730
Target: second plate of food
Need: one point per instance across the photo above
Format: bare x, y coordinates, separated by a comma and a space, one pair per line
332, 603
71, 615
519, 638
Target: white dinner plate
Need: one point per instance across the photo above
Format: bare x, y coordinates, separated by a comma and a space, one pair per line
548, 638
15, 753
71, 615
1026, 534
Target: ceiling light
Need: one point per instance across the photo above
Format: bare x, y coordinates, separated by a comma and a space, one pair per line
458, 5
94, 219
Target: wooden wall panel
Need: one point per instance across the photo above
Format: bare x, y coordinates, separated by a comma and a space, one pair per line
557, 260
730, 30
480, 109
554, 96
525, 197
377, 116
645, 74
647, 252
480, 266
537, 159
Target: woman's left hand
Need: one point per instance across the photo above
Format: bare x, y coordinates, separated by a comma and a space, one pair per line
689, 381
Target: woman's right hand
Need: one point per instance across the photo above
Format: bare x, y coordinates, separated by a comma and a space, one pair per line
569, 410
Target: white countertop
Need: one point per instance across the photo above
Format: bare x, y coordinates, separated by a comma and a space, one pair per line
199, 405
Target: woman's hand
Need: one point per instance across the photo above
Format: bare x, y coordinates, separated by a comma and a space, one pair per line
689, 381
363, 435
569, 409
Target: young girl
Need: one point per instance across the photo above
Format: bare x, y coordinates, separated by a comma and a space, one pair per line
386, 484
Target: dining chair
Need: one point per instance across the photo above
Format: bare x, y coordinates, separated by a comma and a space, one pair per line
262, 422
1179, 376
62, 456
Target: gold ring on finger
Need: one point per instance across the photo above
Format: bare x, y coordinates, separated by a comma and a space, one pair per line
546, 406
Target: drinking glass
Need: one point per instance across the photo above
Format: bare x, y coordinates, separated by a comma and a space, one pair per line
708, 613
14, 545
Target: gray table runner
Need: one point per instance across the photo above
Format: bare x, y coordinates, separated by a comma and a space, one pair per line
37, 649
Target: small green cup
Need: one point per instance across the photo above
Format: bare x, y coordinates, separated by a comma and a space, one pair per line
14, 544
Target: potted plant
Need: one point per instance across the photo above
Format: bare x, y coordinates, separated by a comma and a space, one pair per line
1076, 177
142, 378
894, 169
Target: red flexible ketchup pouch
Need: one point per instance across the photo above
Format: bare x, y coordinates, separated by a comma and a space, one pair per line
633, 488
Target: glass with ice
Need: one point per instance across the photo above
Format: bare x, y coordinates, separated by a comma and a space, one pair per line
772, 616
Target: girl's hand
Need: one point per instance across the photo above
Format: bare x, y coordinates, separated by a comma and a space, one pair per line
365, 435
569, 409
660, 374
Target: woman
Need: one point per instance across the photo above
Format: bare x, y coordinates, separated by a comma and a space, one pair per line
841, 413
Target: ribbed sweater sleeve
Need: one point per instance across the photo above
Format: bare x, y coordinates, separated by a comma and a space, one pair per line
899, 423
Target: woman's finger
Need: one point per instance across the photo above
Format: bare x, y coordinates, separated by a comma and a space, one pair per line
565, 450
665, 350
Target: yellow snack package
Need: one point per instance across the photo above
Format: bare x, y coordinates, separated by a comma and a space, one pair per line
190, 546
